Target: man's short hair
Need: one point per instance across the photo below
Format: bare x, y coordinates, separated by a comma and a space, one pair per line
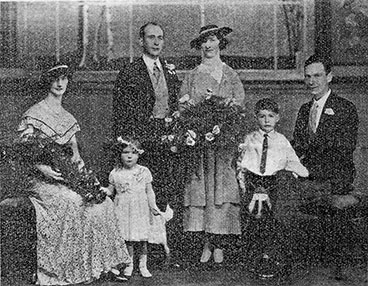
266, 104
317, 58
141, 29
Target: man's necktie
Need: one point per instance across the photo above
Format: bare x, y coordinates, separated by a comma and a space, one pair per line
313, 117
262, 168
156, 72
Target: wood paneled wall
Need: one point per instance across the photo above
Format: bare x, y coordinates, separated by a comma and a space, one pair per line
91, 104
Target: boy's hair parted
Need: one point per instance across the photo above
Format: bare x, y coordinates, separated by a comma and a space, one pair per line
266, 104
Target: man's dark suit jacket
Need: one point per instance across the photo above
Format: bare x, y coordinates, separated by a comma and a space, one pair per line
328, 153
134, 98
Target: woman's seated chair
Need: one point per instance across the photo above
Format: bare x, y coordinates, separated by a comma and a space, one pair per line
18, 222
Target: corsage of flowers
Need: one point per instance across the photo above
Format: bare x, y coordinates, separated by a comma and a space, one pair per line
170, 68
329, 111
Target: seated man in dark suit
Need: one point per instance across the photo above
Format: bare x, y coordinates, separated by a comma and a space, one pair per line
325, 138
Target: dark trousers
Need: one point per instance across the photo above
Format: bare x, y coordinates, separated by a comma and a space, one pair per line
164, 166
273, 233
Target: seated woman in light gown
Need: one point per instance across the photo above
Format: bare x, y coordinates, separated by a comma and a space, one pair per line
76, 241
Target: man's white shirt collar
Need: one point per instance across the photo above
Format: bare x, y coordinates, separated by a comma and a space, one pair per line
321, 101
149, 62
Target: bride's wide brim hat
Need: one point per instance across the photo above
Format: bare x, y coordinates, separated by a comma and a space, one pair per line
207, 30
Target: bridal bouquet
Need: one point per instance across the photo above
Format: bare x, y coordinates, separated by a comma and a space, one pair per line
46, 151
214, 123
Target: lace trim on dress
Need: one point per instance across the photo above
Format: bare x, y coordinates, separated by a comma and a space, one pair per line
61, 128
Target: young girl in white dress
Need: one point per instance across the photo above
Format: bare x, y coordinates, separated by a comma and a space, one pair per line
135, 201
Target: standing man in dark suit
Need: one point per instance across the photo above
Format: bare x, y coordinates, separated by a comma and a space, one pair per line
325, 138
145, 93
145, 90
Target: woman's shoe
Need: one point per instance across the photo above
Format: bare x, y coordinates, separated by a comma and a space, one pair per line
206, 254
218, 255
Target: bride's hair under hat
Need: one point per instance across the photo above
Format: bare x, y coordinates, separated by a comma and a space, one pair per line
55, 71
210, 30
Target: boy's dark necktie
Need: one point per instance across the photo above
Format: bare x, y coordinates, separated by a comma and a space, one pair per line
156, 72
262, 168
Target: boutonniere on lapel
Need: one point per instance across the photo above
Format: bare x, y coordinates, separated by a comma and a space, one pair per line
170, 68
329, 111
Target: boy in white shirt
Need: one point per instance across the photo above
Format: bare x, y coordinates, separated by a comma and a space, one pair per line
264, 153
267, 170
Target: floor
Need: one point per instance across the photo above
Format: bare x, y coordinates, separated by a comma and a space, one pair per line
355, 274
309, 268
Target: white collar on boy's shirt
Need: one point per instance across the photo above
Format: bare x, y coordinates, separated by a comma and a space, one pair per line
149, 62
270, 134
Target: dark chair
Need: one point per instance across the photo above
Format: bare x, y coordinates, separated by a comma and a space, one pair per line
18, 221
336, 233
18, 239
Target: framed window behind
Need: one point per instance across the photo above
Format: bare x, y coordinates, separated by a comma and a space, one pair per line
349, 41
270, 39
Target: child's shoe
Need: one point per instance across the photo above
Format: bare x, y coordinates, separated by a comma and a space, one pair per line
206, 254
143, 266
218, 255
129, 269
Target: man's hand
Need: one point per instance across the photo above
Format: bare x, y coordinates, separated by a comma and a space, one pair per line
344, 201
260, 198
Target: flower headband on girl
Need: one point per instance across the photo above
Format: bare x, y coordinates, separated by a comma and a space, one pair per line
130, 144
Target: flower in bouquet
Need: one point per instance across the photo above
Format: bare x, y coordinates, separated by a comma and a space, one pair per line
190, 141
216, 130
192, 134
185, 99
58, 157
215, 120
170, 137
174, 149
209, 136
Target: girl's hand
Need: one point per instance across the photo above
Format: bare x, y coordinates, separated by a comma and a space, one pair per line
49, 172
105, 190
155, 211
